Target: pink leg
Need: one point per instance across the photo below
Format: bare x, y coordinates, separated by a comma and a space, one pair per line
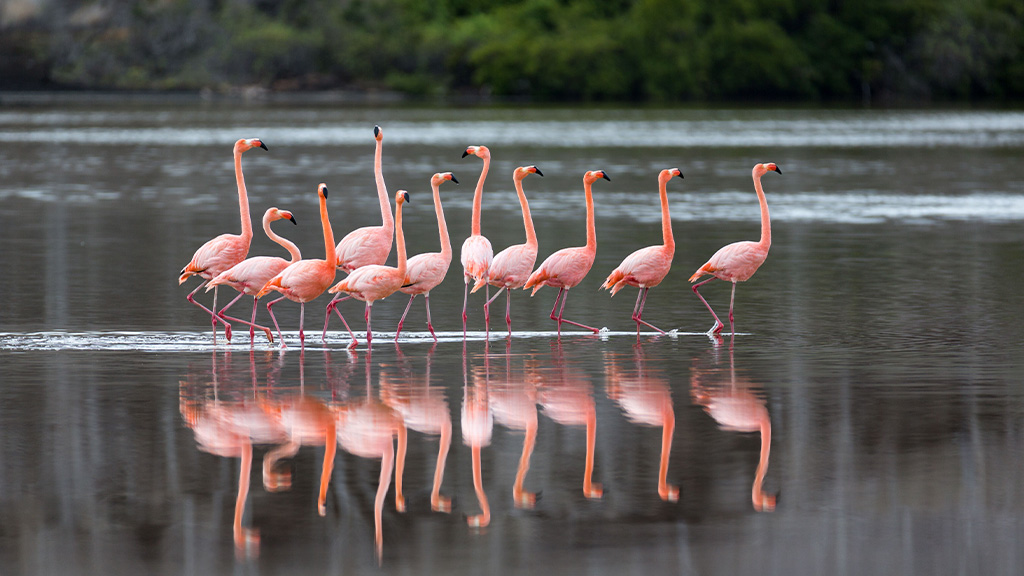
402, 321
369, 332
639, 314
252, 325
302, 317
487, 309
426, 299
465, 300
213, 316
732, 300
508, 310
560, 319
272, 317
718, 323
333, 305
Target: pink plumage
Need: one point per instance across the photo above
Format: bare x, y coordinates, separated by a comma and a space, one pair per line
370, 244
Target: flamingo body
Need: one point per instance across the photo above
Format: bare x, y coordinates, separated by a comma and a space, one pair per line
369, 244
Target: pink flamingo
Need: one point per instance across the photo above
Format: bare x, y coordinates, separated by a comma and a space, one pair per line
372, 283
370, 244
425, 271
647, 267
738, 261
513, 404
477, 253
306, 279
249, 275
226, 250
567, 267
477, 430
512, 266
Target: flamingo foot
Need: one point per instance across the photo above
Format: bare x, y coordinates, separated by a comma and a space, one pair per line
400, 503
353, 344
441, 504
270, 335
669, 493
594, 491
526, 500
478, 521
716, 328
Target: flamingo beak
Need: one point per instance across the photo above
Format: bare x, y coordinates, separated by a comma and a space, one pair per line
292, 218
452, 178
777, 170
605, 176
466, 153
537, 170
325, 191
679, 173
405, 196
262, 145
376, 131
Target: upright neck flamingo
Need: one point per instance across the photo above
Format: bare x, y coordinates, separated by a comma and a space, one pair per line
477, 253
738, 261
370, 244
425, 271
647, 267
512, 266
226, 250
567, 267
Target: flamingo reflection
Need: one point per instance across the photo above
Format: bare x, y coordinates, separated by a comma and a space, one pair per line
477, 427
227, 423
567, 397
514, 406
736, 406
646, 399
425, 410
367, 428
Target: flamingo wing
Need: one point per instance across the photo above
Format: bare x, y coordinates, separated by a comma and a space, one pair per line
425, 271
512, 266
476, 256
734, 262
366, 246
216, 256
565, 268
250, 275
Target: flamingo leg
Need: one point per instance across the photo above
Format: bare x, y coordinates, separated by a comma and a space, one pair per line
521, 498
333, 305
639, 313
404, 314
244, 538
252, 325
191, 298
302, 315
366, 315
732, 301
562, 309
667, 491
403, 443
465, 300
558, 319
487, 308
330, 447
718, 323
484, 518
590, 489
272, 317
387, 463
440, 503
426, 299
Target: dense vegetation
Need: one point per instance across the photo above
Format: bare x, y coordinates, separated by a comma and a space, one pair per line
661, 50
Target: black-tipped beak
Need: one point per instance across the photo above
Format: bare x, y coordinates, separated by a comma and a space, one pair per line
325, 191
605, 176
262, 145
405, 196
452, 178
777, 170
292, 218
465, 153
537, 170
680, 174
376, 131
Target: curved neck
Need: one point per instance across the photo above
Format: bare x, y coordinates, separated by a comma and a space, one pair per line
288, 245
591, 229
442, 226
478, 197
332, 255
401, 241
382, 191
666, 217
531, 235
243, 198
766, 223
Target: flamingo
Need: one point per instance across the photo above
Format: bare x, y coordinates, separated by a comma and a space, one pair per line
372, 283
249, 275
477, 253
226, 250
647, 267
425, 271
738, 261
514, 405
477, 429
306, 279
512, 266
567, 267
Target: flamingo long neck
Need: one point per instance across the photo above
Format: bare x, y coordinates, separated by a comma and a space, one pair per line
285, 243
401, 241
243, 198
666, 218
591, 229
531, 235
382, 192
766, 223
478, 196
442, 226
332, 255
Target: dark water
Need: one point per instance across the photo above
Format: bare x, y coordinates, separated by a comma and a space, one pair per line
879, 349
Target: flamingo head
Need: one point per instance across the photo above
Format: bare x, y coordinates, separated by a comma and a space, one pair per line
524, 171
378, 134
249, 143
275, 213
593, 175
762, 169
440, 177
480, 151
669, 173
401, 197
322, 190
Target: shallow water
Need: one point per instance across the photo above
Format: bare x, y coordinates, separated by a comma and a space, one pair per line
879, 344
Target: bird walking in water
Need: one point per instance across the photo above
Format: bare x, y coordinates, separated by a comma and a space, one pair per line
307, 279
567, 267
512, 266
251, 274
372, 283
226, 250
477, 253
647, 267
738, 261
425, 271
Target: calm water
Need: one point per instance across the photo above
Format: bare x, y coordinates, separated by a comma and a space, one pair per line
878, 352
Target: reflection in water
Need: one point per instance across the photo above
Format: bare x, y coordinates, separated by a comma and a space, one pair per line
568, 398
645, 398
477, 427
735, 405
514, 405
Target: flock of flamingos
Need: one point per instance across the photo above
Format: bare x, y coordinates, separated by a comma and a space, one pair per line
361, 255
